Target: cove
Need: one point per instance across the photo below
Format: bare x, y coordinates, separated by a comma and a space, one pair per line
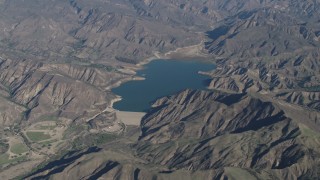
162, 78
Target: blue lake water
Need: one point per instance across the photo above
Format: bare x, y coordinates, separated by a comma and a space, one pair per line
163, 78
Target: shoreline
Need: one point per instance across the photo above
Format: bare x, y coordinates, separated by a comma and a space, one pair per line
156, 56
193, 52
202, 57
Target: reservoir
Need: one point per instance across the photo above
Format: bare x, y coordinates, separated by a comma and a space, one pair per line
162, 78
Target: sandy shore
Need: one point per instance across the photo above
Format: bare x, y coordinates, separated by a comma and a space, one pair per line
130, 118
184, 53
188, 53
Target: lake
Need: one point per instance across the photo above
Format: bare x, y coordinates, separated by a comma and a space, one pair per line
162, 78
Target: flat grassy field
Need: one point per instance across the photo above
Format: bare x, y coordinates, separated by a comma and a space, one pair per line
37, 136
19, 148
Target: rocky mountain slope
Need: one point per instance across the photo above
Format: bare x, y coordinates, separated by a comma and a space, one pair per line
207, 133
206, 130
62, 90
272, 50
101, 31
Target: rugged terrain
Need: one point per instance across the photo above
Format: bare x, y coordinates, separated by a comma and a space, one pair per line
201, 133
259, 118
280, 57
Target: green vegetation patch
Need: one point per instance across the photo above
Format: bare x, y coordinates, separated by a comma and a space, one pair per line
48, 118
104, 138
4, 159
19, 148
4, 146
48, 142
308, 132
238, 173
37, 136
93, 140
73, 130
